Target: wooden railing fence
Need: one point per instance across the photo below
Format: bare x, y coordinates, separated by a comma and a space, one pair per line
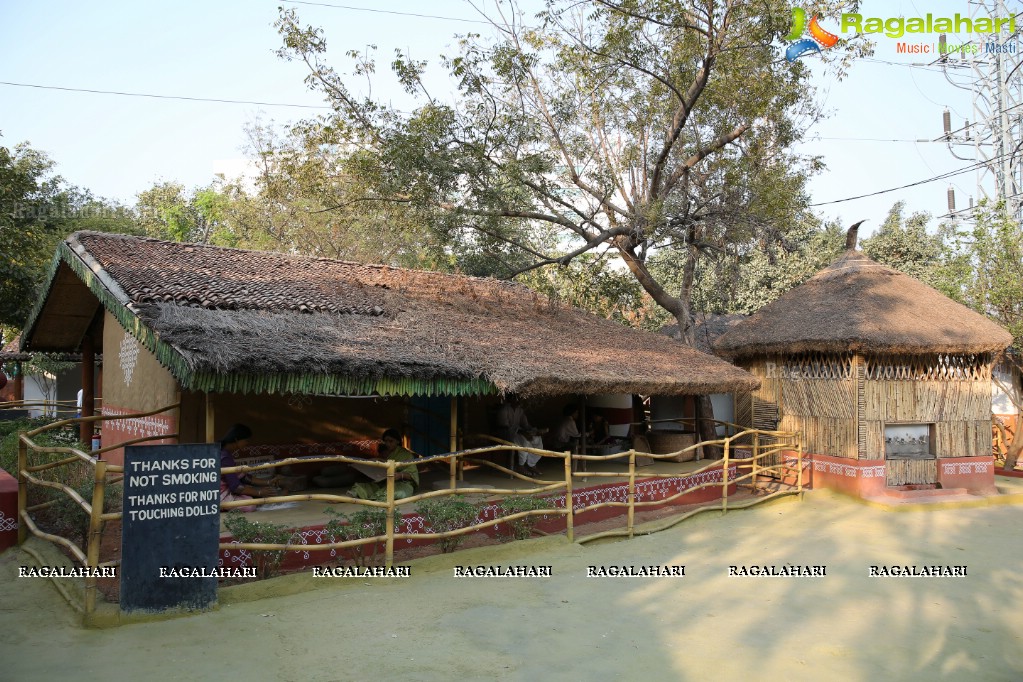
759, 453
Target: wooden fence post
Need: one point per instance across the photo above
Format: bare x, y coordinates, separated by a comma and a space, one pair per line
569, 506
632, 490
95, 533
22, 489
724, 477
756, 455
389, 522
799, 462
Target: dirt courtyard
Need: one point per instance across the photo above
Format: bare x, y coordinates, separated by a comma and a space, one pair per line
706, 625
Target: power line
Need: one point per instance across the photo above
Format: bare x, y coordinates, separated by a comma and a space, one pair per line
386, 11
871, 139
155, 96
943, 176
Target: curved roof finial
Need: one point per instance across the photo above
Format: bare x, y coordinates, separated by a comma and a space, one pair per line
851, 236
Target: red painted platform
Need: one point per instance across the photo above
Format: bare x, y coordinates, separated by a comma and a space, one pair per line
867, 478
8, 510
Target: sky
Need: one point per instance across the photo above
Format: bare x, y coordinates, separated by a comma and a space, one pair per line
883, 115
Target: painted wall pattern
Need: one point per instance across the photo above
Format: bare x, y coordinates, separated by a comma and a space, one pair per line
135, 427
415, 524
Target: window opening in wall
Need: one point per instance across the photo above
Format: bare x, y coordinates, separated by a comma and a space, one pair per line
909, 441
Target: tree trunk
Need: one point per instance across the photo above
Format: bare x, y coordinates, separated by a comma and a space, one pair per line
1016, 447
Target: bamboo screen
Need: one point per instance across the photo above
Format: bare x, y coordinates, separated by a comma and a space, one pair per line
959, 405
909, 471
841, 404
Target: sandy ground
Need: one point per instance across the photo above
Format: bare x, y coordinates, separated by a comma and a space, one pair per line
704, 626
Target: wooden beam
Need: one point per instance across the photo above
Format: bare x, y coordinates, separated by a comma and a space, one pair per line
85, 428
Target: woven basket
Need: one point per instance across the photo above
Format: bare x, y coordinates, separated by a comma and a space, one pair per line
663, 442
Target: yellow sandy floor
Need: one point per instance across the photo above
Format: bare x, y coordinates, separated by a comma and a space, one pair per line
706, 625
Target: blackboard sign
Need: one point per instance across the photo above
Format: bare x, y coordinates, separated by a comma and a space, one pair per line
170, 527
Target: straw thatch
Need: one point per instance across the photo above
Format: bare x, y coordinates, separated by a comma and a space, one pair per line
230, 319
858, 305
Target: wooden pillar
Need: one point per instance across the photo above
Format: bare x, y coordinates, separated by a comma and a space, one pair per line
85, 428
453, 439
582, 439
859, 371
211, 434
19, 381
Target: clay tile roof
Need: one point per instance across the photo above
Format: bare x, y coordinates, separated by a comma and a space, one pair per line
154, 271
858, 305
11, 352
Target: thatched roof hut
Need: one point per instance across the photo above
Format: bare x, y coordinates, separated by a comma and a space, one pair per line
231, 320
858, 305
885, 377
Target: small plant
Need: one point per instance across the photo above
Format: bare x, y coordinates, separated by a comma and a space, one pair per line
363, 524
447, 514
268, 562
522, 529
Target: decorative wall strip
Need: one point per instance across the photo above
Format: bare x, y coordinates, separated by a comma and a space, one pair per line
952, 468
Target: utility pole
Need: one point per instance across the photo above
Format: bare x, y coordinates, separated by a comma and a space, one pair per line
992, 70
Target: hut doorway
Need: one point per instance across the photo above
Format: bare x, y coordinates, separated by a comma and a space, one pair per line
910, 456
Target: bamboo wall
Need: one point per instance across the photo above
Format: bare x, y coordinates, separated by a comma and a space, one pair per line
841, 403
909, 471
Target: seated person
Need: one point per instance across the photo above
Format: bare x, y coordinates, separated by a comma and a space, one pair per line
566, 436
513, 427
598, 428
240, 486
406, 478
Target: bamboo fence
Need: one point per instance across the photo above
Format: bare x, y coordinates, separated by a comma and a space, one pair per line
760, 459
104, 473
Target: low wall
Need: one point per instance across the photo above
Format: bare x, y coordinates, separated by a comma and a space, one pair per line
648, 490
8, 510
866, 477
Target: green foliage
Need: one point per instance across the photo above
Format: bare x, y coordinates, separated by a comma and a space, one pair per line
63, 516
267, 562
588, 282
904, 244
368, 523
746, 276
522, 528
37, 210
167, 211
983, 267
650, 127
31, 210
447, 514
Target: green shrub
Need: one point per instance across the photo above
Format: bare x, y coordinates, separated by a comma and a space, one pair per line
362, 524
267, 562
447, 514
523, 528
63, 516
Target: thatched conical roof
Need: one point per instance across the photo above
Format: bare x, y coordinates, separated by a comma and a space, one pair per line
858, 305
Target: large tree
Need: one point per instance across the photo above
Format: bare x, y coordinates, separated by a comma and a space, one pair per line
638, 126
983, 267
38, 209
